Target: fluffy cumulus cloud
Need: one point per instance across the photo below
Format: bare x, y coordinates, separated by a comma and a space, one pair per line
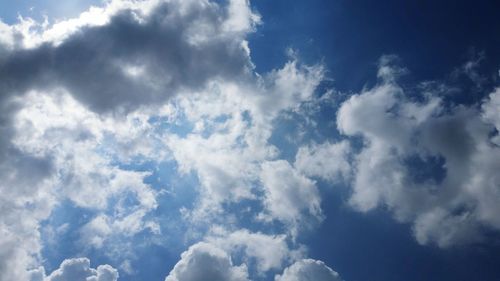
213, 259
452, 200
308, 270
269, 252
204, 261
77, 269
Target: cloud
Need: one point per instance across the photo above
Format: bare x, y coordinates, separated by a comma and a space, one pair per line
490, 113
68, 133
79, 269
289, 196
204, 261
329, 161
79, 99
232, 124
308, 270
94, 83
135, 58
68, 88
456, 196
241, 17
269, 251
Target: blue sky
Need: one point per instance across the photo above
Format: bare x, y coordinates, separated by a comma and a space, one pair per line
249, 140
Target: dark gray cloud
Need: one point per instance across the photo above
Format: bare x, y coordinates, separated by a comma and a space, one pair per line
96, 64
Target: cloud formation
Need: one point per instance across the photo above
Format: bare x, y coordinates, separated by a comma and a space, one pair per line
232, 124
330, 161
308, 270
137, 57
289, 196
449, 203
204, 261
77, 269
269, 252
65, 88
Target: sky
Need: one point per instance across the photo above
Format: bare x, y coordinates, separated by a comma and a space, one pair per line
236, 140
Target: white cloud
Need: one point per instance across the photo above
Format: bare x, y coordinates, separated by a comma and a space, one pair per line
491, 112
79, 269
241, 17
204, 261
66, 96
445, 229
212, 260
308, 270
68, 133
232, 124
269, 251
446, 209
289, 196
36, 274
287, 88
329, 161
78, 99
72, 110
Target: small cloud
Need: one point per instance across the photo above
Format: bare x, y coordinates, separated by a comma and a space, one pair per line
308, 270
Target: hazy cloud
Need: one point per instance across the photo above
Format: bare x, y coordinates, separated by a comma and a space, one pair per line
330, 161
289, 196
308, 270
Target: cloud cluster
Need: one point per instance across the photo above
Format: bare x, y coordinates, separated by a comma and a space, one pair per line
213, 261
457, 195
77, 269
68, 89
79, 97
228, 147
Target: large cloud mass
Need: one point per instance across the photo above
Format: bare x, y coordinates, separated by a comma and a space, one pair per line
448, 202
136, 57
63, 90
